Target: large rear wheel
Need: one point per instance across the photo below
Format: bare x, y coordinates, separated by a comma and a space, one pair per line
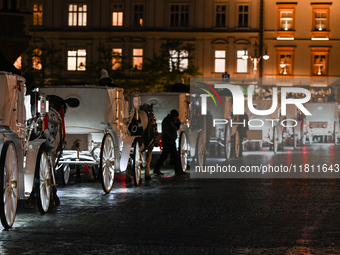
42, 181
8, 184
200, 151
107, 163
237, 144
183, 151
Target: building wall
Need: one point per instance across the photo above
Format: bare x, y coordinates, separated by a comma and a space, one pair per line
303, 44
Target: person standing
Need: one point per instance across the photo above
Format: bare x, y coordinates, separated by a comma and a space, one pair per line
170, 125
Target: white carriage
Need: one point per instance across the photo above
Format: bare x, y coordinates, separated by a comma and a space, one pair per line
96, 132
323, 123
163, 103
24, 163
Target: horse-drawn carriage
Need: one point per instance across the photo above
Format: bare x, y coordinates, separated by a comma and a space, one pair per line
323, 124
97, 132
162, 103
26, 160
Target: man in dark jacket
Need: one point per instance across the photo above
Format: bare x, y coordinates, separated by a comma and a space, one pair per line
170, 125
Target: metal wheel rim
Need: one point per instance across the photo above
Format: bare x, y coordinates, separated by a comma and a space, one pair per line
200, 152
183, 151
66, 173
295, 138
45, 179
108, 170
227, 143
10, 192
137, 165
237, 144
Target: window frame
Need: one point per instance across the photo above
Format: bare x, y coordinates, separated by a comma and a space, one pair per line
180, 12
78, 15
183, 60
221, 12
36, 13
281, 33
245, 60
137, 56
77, 59
219, 58
285, 51
114, 60
142, 13
320, 8
119, 9
243, 13
316, 51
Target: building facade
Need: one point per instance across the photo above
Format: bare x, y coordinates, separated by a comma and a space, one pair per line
303, 38
135, 29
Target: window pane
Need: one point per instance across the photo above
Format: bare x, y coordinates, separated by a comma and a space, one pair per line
240, 53
71, 64
219, 54
219, 65
138, 52
137, 62
242, 65
120, 19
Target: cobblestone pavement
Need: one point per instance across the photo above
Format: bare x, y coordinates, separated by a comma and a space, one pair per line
182, 215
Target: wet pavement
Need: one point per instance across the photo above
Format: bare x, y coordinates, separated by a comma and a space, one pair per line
182, 215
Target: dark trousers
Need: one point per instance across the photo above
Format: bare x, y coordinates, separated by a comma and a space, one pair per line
168, 149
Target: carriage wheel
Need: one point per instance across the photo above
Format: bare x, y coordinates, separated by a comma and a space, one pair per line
237, 144
183, 151
227, 142
42, 181
137, 166
107, 163
294, 138
200, 151
275, 139
8, 184
65, 173
303, 139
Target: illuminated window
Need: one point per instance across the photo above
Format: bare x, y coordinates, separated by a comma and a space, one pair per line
116, 58
285, 60
220, 61
76, 60
37, 15
179, 15
320, 21
286, 20
319, 61
137, 59
178, 60
117, 15
243, 15
36, 60
221, 14
242, 64
285, 64
138, 15
18, 63
77, 15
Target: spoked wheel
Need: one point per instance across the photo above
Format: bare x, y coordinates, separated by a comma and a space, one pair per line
107, 163
294, 138
8, 184
137, 164
227, 142
65, 173
275, 140
200, 151
42, 181
183, 151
